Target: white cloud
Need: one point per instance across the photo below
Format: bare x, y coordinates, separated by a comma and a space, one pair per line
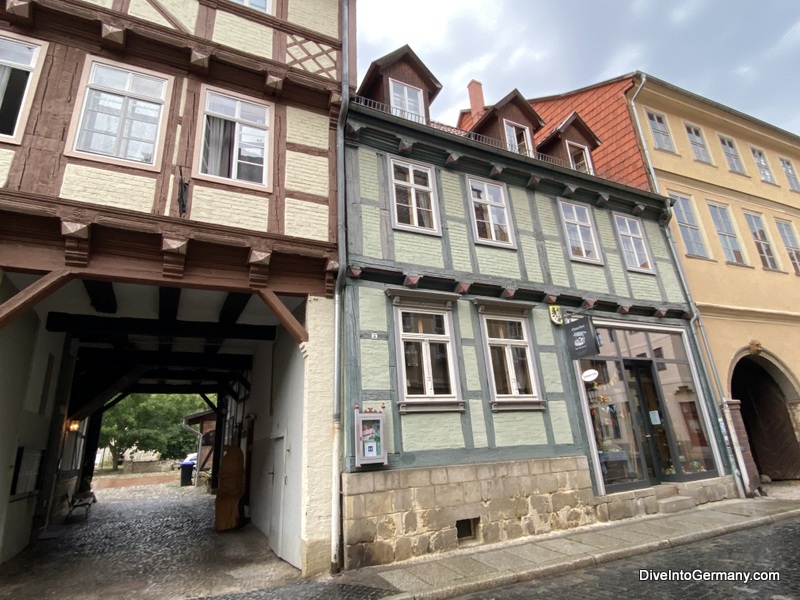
686, 11
788, 40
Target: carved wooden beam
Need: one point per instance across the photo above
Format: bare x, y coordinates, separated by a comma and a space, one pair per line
462, 287
508, 293
569, 190
452, 159
588, 303
174, 251
624, 309
200, 60
354, 131
405, 147
688, 315
602, 199
331, 271
411, 281
76, 243
496, 171
533, 182
274, 84
551, 298
28, 297
112, 35
20, 10
285, 316
660, 313
638, 209
259, 267
354, 272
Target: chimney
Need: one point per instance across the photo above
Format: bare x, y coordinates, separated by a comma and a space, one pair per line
476, 104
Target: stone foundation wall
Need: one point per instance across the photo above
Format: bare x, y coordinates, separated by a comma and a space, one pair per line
394, 515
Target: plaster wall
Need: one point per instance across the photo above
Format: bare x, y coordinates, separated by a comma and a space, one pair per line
248, 36
109, 188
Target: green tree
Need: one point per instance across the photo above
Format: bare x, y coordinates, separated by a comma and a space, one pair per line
150, 423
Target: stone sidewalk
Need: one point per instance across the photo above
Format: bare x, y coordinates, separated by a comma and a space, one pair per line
483, 567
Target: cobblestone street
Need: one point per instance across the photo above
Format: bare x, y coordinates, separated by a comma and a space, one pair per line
156, 542
770, 548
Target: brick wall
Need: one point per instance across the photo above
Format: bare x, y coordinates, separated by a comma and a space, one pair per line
306, 127
307, 173
109, 188
230, 208
306, 219
242, 34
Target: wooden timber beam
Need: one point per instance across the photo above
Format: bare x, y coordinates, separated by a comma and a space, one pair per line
287, 319
121, 386
101, 296
28, 297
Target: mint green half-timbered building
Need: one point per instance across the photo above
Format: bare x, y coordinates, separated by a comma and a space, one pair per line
469, 259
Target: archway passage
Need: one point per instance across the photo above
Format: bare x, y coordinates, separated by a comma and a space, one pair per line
769, 427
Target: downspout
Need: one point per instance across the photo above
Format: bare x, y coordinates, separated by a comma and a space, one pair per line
336, 470
731, 440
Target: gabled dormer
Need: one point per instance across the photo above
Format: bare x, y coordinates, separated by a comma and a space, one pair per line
402, 83
511, 120
572, 142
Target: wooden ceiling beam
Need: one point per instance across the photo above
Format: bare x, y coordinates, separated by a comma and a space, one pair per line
31, 295
101, 296
287, 319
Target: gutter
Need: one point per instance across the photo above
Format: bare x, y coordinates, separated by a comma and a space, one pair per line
731, 441
338, 363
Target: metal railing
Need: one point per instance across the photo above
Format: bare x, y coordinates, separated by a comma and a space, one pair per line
482, 139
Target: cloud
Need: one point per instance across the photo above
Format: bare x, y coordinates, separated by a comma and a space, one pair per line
625, 59
687, 11
788, 40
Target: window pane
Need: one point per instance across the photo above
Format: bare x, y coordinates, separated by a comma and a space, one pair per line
415, 380
500, 370
400, 172
148, 86
17, 53
423, 323
404, 214
110, 77
505, 330
254, 113
421, 178
221, 105
440, 368
12, 98
520, 357
218, 147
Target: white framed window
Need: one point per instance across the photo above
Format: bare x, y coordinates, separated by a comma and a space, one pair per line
580, 231
698, 142
760, 237
634, 247
490, 211
510, 356
731, 154
763, 166
406, 101
688, 226
264, 6
726, 233
413, 195
580, 158
661, 136
518, 138
233, 142
786, 229
791, 175
428, 371
21, 61
122, 116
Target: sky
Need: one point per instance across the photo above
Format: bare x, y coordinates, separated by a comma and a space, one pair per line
744, 54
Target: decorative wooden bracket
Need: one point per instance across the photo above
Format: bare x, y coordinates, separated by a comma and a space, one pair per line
665, 217
688, 315
76, 243
623, 309
452, 159
496, 171
285, 316
353, 131
508, 293
551, 298
354, 272
112, 35
174, 251
588, 303
533, 182
259, 267
331, 270
462, 287
20, 10
660, 313
274, 84
602, 199
406, 147
200, 60
569, 190
411, 281
638, 209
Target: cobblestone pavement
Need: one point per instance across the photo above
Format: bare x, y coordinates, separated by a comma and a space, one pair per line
773, 548
156, 542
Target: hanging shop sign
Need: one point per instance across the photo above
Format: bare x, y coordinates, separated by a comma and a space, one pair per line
581, 338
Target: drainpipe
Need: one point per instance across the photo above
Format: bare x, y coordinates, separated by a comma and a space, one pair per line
336, 471
737, 462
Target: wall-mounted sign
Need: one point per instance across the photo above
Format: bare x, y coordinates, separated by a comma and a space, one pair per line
370, 439
589, 375
556, 316
581, 338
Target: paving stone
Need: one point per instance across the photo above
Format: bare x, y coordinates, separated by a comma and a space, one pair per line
502, 560
568, 547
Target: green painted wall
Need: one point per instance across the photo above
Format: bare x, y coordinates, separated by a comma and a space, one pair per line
519, 428
431, 431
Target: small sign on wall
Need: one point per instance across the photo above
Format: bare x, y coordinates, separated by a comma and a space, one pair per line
370, 438
581, 338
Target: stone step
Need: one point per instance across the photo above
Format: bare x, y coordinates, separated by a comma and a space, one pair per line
675, 504
665, 490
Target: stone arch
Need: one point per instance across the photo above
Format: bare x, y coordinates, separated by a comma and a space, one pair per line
770, 411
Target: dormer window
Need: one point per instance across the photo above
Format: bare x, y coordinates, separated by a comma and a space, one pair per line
518, 138
579, 158
407, 101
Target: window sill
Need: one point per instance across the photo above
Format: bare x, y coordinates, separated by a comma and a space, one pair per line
739, 173
429, 406
705, 163
735, 264
420, 230
697, 257
518, 405
587, 261
233, 183
119, 162
642, 271
772, 183
501, 245
779, 271
666, 151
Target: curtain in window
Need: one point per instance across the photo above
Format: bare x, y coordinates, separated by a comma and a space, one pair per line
218, 147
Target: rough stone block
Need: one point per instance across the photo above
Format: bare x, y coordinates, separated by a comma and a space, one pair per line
354, 556
357, 483
387, 528
539, 466
564, 500
360, 531
451, 494
378, 553
564, 463
420, 544
651, 505
472, 492
541, 524
490, 489
484, 471
377, 503
541, 504
583, 480
402, 500
582, 462
386, 480
439, 476
409, 523
444, 540
461, 473
490, 532
513, 530
586, 497
500, 509
621, 509
546, 484
403, 549
438, 518
500, 470
411, 478
353, 507
424, 498
526, 485
639, 507
520, 507
511, 487
567, 480
518, 468
602, 512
